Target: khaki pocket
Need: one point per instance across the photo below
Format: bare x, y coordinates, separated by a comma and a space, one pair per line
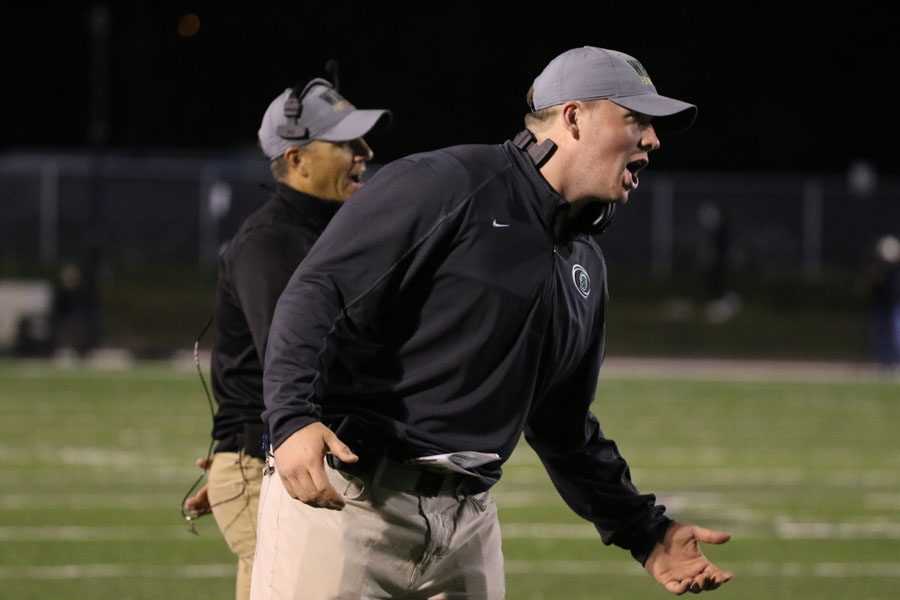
348, 486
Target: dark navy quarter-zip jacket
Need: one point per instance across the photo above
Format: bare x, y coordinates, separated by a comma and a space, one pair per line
253, 271
448, 307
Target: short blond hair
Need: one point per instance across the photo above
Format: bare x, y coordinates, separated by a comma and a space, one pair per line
542, 118
539, 119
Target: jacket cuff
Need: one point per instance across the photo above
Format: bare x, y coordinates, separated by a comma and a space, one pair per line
283, 428
643, 542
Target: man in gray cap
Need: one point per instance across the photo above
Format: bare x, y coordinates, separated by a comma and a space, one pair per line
456, 302
313, 138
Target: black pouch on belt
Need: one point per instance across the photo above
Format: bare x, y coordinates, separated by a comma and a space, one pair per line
252, 439
367, 442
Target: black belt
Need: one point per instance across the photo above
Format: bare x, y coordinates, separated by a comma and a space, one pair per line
250, 441
383, 461
411, 478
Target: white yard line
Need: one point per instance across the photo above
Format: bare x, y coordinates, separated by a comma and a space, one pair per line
756, 568
731, 476
47, 501
113, 571
72, 533
877, 529
778, 528
740, 370
883, 500
513, 568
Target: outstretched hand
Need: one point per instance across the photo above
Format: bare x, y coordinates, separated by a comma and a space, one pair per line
300, 461
679, 565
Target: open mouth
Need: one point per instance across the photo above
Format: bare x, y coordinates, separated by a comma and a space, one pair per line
630, 176
356, 178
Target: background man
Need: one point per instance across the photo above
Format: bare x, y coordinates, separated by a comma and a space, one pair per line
430, 338
313, 138
880, 282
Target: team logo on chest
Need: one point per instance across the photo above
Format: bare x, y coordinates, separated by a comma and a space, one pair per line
582, 281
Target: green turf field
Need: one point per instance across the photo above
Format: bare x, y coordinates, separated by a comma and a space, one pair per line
806, 476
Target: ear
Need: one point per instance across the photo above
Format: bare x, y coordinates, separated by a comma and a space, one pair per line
293, 158
570, 114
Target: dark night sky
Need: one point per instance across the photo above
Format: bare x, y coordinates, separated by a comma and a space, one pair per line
781, 86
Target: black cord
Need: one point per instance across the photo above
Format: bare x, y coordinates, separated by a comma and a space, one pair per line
332, 68
212, 412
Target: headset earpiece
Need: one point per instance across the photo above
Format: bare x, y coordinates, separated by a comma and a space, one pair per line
604, 218
293, 109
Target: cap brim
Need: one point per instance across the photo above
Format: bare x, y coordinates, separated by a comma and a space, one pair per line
671, 115
355, 125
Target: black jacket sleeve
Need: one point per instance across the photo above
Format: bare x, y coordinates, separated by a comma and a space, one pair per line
260, 268
369, 253
587, 469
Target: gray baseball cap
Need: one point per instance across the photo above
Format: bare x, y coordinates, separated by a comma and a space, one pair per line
317, 112
590, 73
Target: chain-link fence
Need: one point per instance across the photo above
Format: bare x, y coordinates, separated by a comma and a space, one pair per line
138, 214
144, 210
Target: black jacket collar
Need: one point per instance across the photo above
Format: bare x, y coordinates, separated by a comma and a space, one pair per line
312, 209
593, 219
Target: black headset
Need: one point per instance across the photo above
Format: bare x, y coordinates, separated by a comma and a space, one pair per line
593, 218
293, 106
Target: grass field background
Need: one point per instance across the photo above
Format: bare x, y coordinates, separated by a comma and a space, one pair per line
805, 474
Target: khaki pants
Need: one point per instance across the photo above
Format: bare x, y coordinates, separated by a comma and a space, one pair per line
383, 544
234, 485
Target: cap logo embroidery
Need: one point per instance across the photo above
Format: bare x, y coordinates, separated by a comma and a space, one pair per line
582, 281
337, 102
642, 73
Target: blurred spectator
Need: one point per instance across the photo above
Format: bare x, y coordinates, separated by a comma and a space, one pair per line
74, 312
31, 339
715, 250
880, 281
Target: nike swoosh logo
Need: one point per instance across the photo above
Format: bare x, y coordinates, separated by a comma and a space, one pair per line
496, 224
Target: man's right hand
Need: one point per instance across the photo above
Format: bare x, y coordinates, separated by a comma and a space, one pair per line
300, 461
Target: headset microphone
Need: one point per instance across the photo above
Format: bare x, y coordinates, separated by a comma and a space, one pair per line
331, 67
